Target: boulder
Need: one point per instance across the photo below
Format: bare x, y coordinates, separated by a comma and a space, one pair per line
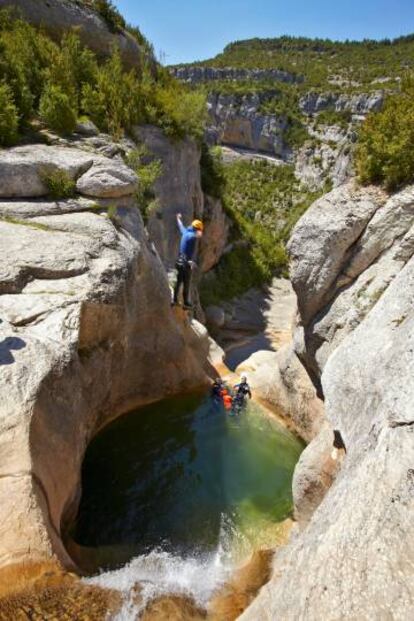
215, 316
87, 128
23, 169
24, 172
108, 179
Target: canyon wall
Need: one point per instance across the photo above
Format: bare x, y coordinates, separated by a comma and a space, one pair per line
353, 272
87, 331
198, 74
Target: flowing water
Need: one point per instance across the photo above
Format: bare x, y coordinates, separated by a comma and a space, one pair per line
177, 493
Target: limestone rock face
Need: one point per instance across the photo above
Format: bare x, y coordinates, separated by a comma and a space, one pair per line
216, 233
87, 333
238, 121
59, 16
278, 378
314, 474
357, 553
195, 74
321, 242
355, 558
24, 172
327, 158
178, 189
346, 251
362, 103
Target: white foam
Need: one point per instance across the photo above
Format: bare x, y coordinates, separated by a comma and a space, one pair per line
159, 573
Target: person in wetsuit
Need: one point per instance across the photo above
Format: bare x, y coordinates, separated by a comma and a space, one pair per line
185, 263
216, 390
242, 391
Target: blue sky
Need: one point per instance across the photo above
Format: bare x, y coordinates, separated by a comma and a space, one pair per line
187, 30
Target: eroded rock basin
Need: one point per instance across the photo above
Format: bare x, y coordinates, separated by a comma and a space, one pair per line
177, 494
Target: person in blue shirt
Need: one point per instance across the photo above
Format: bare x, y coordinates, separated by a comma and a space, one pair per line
185, 263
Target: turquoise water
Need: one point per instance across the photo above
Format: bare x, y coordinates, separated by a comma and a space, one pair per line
182, 478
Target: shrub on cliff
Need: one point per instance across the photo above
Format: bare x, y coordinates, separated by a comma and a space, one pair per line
56, 110
30, 63
9, 120
59, 184
115, 102
181, 111
71, 67
213, 178
385, 152
148, 171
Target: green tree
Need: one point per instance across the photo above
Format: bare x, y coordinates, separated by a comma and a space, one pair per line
9, 120
72, 66
56, 110
385, 152
115, 102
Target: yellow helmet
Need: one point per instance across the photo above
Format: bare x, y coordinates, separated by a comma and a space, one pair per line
197, 224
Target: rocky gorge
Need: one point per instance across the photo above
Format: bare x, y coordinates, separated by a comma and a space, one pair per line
241, 120
99, 372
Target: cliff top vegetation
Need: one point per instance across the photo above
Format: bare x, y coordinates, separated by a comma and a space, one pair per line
58, 82
348, 65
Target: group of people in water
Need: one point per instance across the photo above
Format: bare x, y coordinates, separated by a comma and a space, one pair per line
232, 399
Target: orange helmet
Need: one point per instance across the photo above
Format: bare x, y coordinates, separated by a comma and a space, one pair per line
198, 225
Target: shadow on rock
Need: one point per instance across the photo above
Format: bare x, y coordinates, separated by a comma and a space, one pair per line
11, 343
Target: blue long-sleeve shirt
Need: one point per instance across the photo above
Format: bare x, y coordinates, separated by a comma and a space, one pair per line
188, 240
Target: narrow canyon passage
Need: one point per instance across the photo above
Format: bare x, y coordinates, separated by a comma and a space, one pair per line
176, 494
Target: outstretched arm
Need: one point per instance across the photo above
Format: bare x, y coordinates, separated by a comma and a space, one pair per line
180, 223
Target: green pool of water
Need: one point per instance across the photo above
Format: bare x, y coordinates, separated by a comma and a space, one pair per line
183, 477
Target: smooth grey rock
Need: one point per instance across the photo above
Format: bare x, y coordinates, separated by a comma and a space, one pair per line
354, 281
361, 103
108, 179
22, 169
196, 74
87, 128
314, 474
355, 558
321, 242
178, 189
279, 379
